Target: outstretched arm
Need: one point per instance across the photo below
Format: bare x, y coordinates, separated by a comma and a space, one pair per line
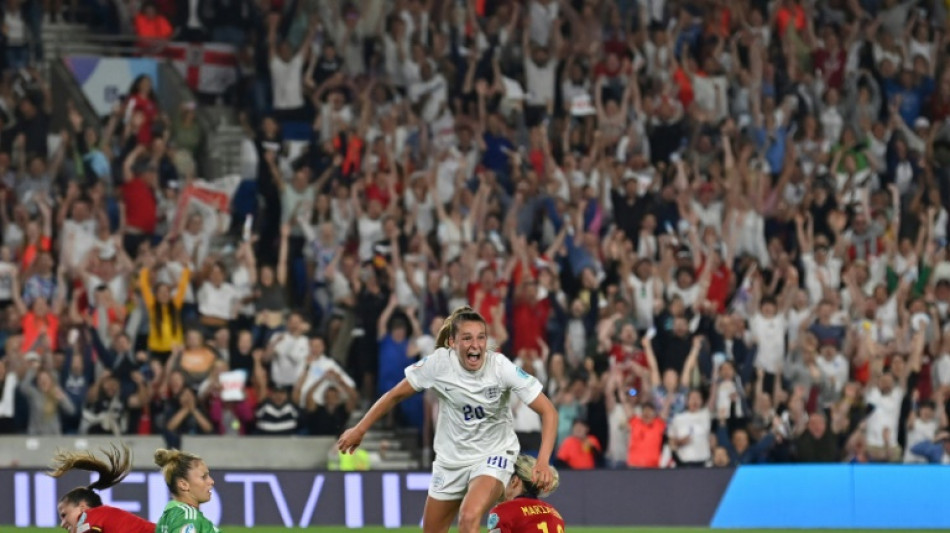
351, 438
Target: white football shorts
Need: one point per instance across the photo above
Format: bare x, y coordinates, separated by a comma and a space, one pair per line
451, 483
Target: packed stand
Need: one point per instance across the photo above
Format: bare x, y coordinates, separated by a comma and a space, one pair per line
716, 231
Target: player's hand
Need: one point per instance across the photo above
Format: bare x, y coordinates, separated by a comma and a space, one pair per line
350, 440
542, 477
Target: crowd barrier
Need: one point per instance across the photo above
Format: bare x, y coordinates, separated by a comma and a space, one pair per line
834, 496
267, 453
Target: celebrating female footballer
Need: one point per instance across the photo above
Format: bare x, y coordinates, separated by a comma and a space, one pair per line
475, 442
190, 483
522, 511
81, 509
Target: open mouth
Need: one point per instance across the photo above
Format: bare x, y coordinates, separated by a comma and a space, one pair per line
473, 358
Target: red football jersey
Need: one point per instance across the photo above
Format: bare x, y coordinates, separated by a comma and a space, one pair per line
105, 519
525, 515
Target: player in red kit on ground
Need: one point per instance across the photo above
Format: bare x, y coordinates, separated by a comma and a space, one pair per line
521, 511
81, 509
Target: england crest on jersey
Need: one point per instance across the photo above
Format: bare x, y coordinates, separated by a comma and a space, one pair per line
492, 393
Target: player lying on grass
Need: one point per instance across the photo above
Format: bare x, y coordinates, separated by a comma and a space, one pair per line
81, 509
521, 511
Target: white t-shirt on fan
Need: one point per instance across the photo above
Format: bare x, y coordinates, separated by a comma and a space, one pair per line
288, 82
769, 334
886, 415
695, 425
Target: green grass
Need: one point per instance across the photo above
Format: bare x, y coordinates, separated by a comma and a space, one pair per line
277, 529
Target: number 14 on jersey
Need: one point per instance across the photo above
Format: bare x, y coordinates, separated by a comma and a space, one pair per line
543, 527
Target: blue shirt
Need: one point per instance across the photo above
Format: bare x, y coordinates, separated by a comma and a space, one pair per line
912, 99
495, 158
774, 146
393, 359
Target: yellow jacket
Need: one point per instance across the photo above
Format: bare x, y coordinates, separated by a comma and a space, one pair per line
166, 337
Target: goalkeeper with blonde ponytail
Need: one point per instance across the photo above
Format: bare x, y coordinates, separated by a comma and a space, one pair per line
475, 443
81, 508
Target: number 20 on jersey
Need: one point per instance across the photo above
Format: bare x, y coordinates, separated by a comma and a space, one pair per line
473, 413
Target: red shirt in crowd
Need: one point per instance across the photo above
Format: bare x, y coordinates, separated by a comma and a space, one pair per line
380, 194
720, 24
790, 16
525, 514
156, 27
106, 519
490, 299
681, 78
32, 250
718, 285
578, 454
141, 210
646, 442
831, 65
529, 322
149, 109
620, 356
34, 326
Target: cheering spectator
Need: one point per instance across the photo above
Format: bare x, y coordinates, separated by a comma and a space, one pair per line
581, 450
47, 400
277, 415
164, 308
230, 415
183, 414
287, 352
326, 393
106, 411
818, 443
689, 433
151, 26
217, 298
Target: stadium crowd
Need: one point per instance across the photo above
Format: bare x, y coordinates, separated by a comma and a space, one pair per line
716, 230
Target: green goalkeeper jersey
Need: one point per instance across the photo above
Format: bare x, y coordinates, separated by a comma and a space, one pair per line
182, 518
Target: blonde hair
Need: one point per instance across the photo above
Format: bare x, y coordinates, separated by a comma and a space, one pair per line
118, 464
450, 326
524, 465
175, 465
111, 471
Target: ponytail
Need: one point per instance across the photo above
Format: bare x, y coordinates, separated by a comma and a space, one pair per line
114, 469
451, 324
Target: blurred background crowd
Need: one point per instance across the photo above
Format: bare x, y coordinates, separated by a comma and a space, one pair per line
716, 230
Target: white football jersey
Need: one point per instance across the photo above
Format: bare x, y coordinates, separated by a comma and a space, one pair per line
475, 418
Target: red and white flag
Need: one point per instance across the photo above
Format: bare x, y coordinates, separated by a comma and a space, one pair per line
211, 198
208, 68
